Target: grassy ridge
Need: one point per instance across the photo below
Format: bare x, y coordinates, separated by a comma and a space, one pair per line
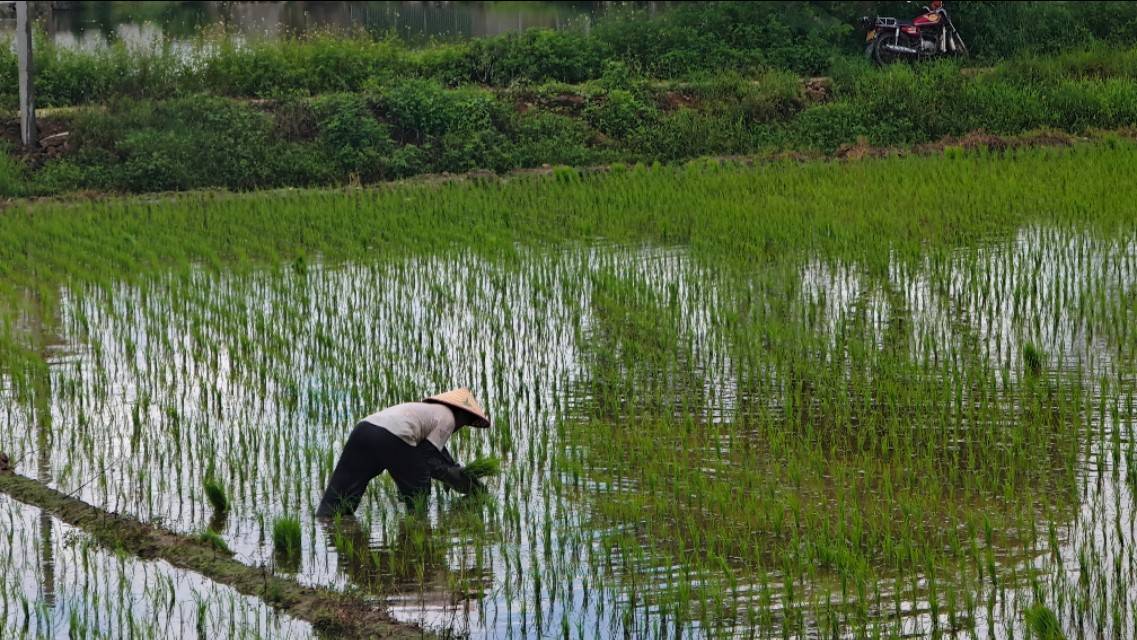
414, 126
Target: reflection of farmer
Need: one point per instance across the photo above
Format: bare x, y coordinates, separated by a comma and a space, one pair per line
409, 441
410, 558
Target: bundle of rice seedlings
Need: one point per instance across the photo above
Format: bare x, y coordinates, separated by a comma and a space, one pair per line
484, 467
215, 493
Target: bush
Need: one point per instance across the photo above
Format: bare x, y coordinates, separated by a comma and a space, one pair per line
406, 161
177, 144
421, 109
617, 113
352, 138
1003, 108
454, 129
535, 55
687, 133
828, 126
550, 138
12, 178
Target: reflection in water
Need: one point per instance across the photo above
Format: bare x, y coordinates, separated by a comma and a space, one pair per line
43, 339
98, 593
412, 567
89, 25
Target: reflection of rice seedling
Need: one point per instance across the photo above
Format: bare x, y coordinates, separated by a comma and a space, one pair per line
1032, 358
1042, 624
484, 467
286, 536
1131, 472
215, 493
212, 539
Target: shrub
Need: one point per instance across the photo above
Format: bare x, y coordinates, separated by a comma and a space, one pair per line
405, 161
420, 109
177, 144
550, 138
535, 55
617, 113
12, 180
828, 126
687, 133
350, 135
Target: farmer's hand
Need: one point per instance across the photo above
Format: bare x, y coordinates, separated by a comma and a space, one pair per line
462, 481
476, 485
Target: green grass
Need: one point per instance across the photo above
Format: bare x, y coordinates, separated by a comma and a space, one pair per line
214, 540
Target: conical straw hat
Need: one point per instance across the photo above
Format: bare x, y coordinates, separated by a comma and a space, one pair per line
462, 398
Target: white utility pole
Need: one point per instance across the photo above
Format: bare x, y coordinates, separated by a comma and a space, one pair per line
27, 71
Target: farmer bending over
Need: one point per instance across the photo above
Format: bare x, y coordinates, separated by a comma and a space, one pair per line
409, 441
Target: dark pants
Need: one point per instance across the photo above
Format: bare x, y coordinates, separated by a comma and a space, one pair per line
369, 451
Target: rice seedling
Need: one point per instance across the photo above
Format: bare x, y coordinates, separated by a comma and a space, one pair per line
484, 467
286, 535
1032, 358
216, 495
1042, 623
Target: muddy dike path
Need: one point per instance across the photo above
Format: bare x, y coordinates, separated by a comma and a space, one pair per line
331, 614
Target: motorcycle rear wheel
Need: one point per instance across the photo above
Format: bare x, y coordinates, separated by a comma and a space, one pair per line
882, 56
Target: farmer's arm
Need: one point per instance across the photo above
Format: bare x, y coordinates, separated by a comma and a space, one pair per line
445, 469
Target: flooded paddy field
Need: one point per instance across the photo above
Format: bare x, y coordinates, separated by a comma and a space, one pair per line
56, 583
731, 401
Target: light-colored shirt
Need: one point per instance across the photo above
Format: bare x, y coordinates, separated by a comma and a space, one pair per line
414, 422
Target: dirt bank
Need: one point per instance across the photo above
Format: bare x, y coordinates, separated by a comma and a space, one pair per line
333, 614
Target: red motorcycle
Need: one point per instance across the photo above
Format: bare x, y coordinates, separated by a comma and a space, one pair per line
926, 36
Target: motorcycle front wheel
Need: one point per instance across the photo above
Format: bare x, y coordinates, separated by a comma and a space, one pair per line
880, 54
